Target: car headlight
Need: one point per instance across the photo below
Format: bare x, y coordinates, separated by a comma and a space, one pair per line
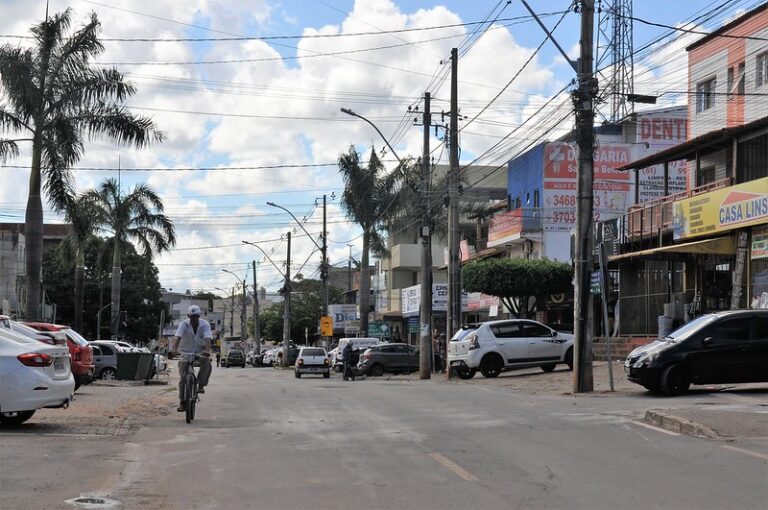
646, 359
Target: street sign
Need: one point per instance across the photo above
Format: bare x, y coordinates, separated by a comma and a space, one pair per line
378, 329
594, 284
351, 327
413, 324
326, 326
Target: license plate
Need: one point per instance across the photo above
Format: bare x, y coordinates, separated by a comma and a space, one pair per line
58, 364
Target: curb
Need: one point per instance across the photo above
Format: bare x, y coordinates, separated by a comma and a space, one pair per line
677, 424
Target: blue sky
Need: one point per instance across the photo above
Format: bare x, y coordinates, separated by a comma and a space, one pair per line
271, 109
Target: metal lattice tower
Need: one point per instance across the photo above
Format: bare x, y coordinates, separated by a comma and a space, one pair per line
614, 56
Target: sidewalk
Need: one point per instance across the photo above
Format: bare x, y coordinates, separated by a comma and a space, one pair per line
743, 412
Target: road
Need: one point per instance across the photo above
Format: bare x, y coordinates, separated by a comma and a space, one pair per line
263, 439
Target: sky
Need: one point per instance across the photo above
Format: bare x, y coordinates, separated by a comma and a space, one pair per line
258, 119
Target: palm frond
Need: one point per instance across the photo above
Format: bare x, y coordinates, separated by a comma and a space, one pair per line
115, 122
8, 149
17, 76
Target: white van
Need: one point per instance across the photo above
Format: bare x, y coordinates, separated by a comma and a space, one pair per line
357, 343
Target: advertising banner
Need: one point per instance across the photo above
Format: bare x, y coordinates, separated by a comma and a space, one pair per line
505, 226
340, 314
412, 299
613, 190
724, 209
760, 243
657, 131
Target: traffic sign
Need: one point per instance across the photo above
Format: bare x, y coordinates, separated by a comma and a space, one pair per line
326, 325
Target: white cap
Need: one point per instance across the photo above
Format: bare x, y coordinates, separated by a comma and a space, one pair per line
194, 310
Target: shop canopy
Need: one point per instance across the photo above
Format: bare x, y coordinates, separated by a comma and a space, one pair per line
717, 246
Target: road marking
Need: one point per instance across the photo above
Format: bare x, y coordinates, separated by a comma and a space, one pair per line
740, 450
657, 429
448, 463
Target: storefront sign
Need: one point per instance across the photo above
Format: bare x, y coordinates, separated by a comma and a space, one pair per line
378, 329
479, 301
413, 324
340, 314
724, 209
505, 226
760, 243
412, 299
612, 190
655, 132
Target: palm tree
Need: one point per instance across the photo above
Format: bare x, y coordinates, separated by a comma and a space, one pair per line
134, 217
368, 196
57, 98
81, 216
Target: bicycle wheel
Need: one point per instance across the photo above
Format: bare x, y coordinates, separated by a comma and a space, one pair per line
189, 396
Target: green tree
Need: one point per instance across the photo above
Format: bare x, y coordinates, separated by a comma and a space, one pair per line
80, 215
55, 96
136, 216
306, 305
523, 285
369, 194
271, 322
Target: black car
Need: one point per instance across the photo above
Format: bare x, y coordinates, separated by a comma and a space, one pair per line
234, 358
716, 348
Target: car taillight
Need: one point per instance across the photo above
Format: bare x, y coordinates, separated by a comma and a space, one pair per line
366, 356
35, 359
473, 343
301, 362
325, 361
78, 355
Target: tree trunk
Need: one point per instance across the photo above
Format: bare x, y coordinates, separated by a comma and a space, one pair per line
365, 285
33, 235
114, 311
79, 272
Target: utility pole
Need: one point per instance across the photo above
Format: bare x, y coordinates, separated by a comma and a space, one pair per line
454, 264
349, 269
324, 269
256, 325
243, 327
583, 100
287, 309
425, 313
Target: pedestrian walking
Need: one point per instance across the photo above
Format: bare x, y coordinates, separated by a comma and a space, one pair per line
218, 358
436, 359
441, 352
346, 356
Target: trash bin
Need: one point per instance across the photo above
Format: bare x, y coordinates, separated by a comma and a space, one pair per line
134, 365
666, 325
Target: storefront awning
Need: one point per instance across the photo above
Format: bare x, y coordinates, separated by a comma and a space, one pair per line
717, 246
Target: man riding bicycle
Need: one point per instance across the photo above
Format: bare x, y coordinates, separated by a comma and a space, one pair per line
193, 336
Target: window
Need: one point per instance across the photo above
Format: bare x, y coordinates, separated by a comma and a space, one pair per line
96, 350
705, 95
507, 330
760, 329
729, 331
736, 81
531, 329
761, 69
535, 198
517, 203
107, 351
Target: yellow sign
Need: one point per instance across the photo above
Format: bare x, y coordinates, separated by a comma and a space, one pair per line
326, 326
724, 209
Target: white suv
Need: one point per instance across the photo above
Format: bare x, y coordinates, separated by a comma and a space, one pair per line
494, 346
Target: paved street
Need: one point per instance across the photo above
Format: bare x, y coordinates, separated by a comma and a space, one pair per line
263, 439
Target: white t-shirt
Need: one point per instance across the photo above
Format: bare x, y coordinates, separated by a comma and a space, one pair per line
191, 342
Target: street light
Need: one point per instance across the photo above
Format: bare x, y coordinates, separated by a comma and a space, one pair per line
242, 308
353, 114
323, 250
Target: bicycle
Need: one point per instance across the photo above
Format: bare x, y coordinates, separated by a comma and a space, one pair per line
190, 386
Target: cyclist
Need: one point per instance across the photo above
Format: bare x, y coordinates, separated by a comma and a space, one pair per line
193, 336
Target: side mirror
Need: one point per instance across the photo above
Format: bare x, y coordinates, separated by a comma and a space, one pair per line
554, 334
706, 341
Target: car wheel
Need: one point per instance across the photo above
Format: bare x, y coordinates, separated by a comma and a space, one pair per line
108, 374
675, 380
549, 367
377, 370
465, 372
15, 418
569, 358
491, 365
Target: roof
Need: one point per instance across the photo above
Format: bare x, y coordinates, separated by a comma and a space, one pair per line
688, 149
727, 27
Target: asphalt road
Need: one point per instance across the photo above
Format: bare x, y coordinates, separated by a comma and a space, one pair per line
263, 439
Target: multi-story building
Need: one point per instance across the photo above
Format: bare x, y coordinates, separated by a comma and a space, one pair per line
706, 248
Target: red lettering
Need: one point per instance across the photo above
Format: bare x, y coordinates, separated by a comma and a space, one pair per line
645, 129
656, 129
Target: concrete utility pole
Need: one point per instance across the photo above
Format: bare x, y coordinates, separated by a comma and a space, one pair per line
256, 325
454, 264
324, 269
243, 325
287, 310
232, 314
425, 312
583, 100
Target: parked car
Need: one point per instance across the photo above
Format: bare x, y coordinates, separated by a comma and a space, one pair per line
312, 360
82, 355
393, 358
105, 359
495, 346
234, 358
715, 348
360, 344
49, 337
268, 357
293, 353
33, 375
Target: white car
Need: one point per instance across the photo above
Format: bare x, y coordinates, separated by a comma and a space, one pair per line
33, 375
49, 337
312, 360
269, 357
494, 346
358, 344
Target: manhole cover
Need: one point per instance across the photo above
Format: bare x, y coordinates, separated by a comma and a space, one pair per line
94, 502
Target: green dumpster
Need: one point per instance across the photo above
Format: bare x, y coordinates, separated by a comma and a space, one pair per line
134, 365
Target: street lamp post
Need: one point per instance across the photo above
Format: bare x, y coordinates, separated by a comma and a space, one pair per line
242, 307
323, 250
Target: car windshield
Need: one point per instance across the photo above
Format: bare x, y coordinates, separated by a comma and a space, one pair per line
463, 332
687, 329
235, 353
312, 352
75, 337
